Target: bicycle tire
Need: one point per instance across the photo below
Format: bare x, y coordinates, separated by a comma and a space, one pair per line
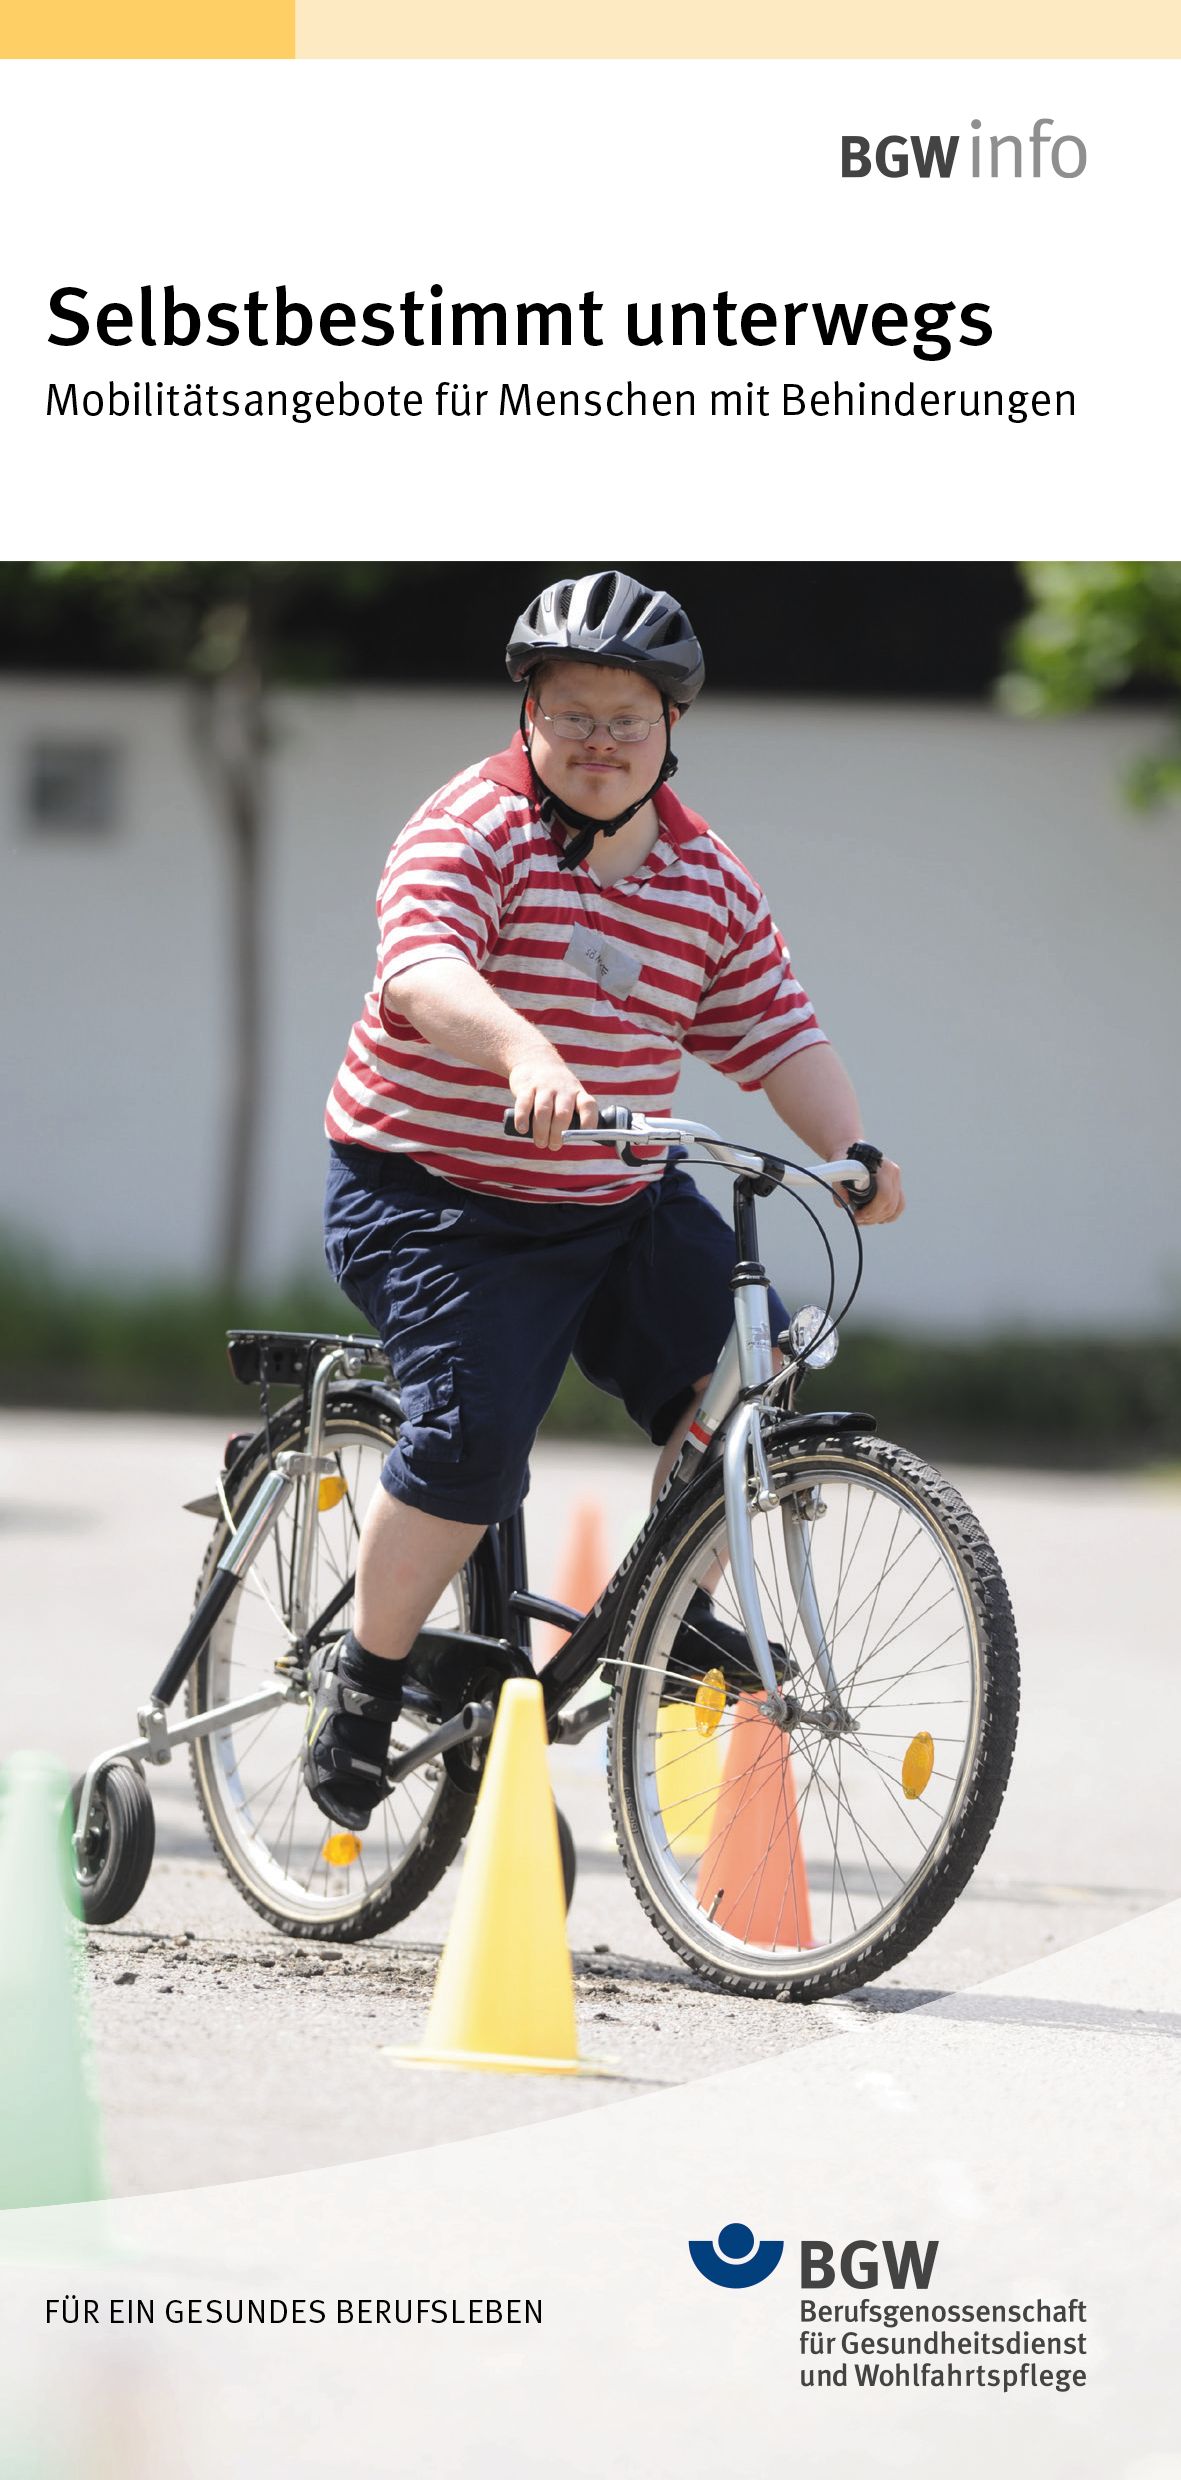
442, 1810
647, 1686
569, 1856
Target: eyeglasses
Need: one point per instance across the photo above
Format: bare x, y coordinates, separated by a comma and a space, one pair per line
571, 726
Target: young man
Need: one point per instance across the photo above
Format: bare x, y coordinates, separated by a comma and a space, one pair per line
555, 926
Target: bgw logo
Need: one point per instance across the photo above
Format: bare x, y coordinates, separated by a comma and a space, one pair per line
734, 2261
859, 2266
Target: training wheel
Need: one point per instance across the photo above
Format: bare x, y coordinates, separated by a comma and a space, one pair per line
112, 1873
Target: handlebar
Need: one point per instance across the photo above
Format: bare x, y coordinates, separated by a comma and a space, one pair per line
617, 1125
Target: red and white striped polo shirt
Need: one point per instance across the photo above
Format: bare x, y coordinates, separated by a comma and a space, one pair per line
684, 956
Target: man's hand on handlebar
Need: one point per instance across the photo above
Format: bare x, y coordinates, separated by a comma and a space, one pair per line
547, 1097
887, 1203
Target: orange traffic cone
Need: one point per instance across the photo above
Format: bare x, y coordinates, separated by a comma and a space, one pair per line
583, 1572
753, 1880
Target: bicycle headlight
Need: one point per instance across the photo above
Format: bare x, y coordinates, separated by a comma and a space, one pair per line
800, 1341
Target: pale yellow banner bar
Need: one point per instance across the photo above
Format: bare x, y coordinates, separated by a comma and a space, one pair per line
744, 30
147, 29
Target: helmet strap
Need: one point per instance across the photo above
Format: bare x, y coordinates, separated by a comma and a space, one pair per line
582, 827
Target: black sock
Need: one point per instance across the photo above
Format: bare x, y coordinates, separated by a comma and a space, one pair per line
367, 1670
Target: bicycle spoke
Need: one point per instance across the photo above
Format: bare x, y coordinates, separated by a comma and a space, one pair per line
903, 1806
834, 1616
874, 1597
837, 1868
915, 1671
252, 1743
900, 1627
267, 1826
929, 1672
856, 1828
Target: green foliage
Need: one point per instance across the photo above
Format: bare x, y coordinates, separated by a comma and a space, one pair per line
301, 619
1022, 1398
120, 1349
1094, 628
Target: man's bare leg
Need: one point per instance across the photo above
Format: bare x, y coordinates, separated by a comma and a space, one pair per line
405, 1561
670, 1452
668, 1456
672, 1447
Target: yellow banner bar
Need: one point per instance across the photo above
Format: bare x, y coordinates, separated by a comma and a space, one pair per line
470, 30
744, 30
147, 29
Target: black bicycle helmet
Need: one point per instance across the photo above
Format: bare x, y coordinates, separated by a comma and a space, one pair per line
610, 618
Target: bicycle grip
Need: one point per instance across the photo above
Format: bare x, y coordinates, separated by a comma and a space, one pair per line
870, 1159
858, 1197
612, 1115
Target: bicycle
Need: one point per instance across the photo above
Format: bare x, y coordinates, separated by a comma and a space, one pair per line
808, 1661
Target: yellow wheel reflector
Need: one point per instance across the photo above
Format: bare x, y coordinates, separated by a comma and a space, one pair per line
917, 1765
341, 1850
332, 1490
709, 1704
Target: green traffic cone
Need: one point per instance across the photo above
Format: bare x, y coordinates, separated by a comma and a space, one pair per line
50, 2150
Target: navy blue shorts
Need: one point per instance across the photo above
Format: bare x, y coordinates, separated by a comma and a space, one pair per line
480, 1301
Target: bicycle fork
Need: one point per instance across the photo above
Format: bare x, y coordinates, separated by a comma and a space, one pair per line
747, 1486
746, 1478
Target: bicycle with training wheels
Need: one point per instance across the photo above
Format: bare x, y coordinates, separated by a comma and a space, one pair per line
806, 1661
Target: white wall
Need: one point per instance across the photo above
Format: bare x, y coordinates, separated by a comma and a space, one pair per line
990, 937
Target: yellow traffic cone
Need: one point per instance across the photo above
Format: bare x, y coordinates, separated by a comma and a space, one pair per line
504, 1993
689, 1766
49, 2129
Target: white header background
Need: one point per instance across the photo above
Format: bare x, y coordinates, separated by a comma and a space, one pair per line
357, 181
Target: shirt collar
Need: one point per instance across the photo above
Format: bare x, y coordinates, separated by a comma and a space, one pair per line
510, 769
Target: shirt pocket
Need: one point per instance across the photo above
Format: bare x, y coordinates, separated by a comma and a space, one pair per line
667, 996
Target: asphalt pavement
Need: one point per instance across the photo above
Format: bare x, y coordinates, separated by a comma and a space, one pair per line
223, 2051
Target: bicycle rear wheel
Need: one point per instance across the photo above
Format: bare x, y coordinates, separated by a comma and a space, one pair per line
306, 1876
802, 1857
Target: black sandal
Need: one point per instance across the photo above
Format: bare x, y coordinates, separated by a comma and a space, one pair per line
703, 1642
347, 1739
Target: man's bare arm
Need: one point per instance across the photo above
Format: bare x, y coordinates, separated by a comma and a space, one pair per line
451, 1005
813, 1093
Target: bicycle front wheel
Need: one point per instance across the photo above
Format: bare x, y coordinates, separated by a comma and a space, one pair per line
801, 1855
306, 1876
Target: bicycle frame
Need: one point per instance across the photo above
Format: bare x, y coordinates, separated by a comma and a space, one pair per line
728, 1420
729, 1416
